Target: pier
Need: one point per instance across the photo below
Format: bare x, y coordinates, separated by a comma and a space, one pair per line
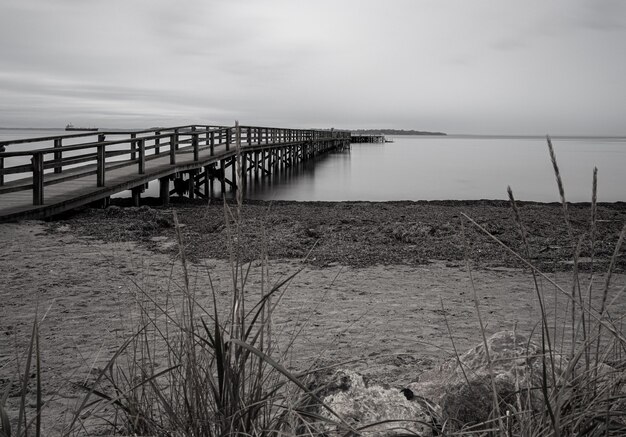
60, 173
365, 138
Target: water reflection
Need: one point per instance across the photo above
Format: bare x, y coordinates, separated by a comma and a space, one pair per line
279, 184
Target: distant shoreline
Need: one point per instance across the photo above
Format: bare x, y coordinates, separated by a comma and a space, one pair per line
394, 132
402, 132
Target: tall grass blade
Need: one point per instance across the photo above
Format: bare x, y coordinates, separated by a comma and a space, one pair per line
294, 380
559, 183
5, 423
39, 403
26, 375
592, 237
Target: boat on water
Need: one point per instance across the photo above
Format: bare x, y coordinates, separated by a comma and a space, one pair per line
71, 127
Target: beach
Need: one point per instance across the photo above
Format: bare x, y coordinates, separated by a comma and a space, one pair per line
382, 287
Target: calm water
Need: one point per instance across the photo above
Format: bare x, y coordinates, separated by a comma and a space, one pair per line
452, 167
458, 167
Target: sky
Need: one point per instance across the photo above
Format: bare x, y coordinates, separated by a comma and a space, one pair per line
529, 67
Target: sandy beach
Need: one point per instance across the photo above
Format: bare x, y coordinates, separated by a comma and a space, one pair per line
373, 281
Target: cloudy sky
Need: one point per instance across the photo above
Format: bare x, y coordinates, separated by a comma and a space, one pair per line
458, 66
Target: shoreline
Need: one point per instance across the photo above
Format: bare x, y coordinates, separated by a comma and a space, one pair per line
366, 233
176, 202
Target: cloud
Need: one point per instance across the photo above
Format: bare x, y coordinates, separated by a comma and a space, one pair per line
436, 65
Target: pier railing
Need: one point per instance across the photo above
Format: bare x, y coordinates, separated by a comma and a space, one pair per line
66, 157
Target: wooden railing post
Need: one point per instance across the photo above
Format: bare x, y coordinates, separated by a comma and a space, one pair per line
212, 143
142, 156
58, 156
133, 147
2, 149
37, 161
101, 158
227, 139
157, 143
173, 147
196, 149
249, 135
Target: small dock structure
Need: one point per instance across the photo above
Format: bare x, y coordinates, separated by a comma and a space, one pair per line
57, 174
367, 138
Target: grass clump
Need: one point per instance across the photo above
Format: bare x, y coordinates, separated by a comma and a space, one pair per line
195, 367
574, 384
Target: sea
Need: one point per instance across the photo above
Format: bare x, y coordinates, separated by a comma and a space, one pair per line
451, 167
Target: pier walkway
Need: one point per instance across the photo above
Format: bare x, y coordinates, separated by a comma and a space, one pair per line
52, 175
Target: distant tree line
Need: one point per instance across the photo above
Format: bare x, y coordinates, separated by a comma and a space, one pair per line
394, 132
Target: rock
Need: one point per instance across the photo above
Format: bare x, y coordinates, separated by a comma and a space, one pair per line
361, 404
464, 391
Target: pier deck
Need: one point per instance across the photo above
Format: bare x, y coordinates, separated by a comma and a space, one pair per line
85, 168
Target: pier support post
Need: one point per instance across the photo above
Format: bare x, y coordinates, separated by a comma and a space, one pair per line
164, 190
211, 185
244, 169
192, 183
223, 178
136, 194
233, 170
207, 171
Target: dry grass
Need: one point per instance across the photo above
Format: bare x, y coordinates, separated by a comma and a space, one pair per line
581, 392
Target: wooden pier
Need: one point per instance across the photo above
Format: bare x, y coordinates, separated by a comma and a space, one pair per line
64, 172
363, 138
